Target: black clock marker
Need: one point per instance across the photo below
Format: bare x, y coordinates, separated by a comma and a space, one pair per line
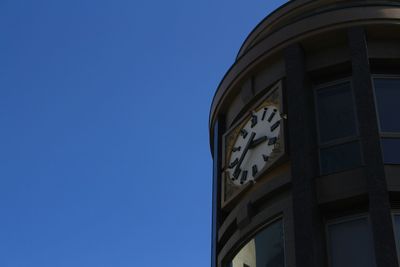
253, 120
234, 163
236, 173
244, 133
264, 113
265, 157
254, 170
275, 125
246, 148
244, 177
272, 141
272, 115
236, 149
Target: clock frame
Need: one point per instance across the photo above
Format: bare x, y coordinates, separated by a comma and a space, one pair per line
230, 190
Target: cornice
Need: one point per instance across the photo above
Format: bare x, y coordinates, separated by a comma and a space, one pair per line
294, 22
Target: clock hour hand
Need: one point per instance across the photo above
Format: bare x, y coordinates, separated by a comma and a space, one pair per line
258, 141
246, 148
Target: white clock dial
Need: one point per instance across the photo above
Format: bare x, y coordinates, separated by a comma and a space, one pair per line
254, 144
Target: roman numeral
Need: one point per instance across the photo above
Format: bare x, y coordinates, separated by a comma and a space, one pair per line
265, 157
254, 170
244, 177
253, 120
264, 113
275, 125
272, 115
272, 141
243, 133
236, 149
234, 163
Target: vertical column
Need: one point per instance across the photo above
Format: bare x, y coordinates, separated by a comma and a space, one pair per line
379, 205
216, 190
304, 159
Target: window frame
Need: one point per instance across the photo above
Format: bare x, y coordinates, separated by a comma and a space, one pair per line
382, 134
337, 141
254, 233
343, 220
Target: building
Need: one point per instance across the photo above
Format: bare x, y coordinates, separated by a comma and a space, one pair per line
305, 138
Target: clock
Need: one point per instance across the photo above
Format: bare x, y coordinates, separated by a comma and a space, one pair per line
253, 145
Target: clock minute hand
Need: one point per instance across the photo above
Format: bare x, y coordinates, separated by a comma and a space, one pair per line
253, 134
258, 141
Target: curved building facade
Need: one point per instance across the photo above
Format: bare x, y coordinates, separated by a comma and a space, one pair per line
305, 138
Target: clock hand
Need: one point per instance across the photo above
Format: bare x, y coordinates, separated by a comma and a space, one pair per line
258, 141
246, 148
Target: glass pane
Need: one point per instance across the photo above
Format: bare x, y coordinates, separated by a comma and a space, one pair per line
350, 244
390, 150
340, 157
387, 93
397, 232
264, 250
336, 117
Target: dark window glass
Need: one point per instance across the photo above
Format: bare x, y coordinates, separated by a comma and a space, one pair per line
391, 150
350, 244
387, 93
397, 232
340, 157
264, 250
336, 117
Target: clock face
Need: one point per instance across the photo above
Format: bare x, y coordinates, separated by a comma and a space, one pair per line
254, 144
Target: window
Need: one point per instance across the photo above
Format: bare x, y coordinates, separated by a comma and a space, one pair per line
387, 94
337, 128
391, 150
396, 225
266, 249
350, 243
340, 157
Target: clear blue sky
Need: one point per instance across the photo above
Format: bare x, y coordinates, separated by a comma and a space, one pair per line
104, 154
